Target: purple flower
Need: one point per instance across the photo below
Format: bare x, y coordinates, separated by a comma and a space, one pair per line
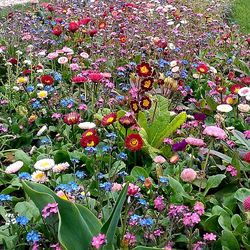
179, 146
51, 208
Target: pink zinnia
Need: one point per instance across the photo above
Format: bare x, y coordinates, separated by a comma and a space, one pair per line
159, 159
195, 142
51, 208
98, 241
159, 203
95, 77
246, 204
216, 132
209, 237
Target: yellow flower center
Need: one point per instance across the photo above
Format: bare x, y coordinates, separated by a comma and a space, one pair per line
144, 70
147, 84
134, 142
45, 164
89, 133
42, 94
145, 103
91, 144
110, 119
135, 107
39, 175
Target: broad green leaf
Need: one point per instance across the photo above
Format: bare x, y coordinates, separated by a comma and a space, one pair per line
241, 138
236, 220
211, 224
228, 240
214, 181
211, 102
142, 121
241, 194
110, 226
225, 221
20, 155
139, 171
61, 156
27, 209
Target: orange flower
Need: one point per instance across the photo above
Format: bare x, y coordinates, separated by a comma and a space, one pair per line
147, 183
102, 25
122, 39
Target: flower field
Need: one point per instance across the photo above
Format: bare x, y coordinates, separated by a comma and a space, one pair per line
124, 125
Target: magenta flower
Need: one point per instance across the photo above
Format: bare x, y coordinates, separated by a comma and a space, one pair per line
209, 236
195, 142
190, 219
159, 203
231, 170
216, 132
51, 208
199, 208
130, 239
98, 241
246, 204
247, 134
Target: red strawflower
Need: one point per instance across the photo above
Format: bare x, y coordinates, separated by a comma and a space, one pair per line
127, 121
57, 30
245, 80
84, 21
47, 80
13, 61
134, 142
235, 88
79, 79
202, 68
145, 102
247, 157
109, 119
134, 105
73, 26
144, 70
221, 89
147, 84
95, 77
89, 132
89, 141
71, 118
246, 204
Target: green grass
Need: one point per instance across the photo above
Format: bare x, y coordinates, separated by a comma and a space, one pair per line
241, 14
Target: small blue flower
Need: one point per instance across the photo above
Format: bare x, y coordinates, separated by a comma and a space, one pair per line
30, 88
185, 62
120, 98
100, 176
141, 178
122, 173
135, 217
22, 220
45, 141
163, 180
75, 160
123, 156
5, 197
111, 136
146, 222
142, 202
177, 50
106, 149
90, 150
24, 176
36, 104
229, 61
33, 236
80, 174
169, 73
49, 88
105, 186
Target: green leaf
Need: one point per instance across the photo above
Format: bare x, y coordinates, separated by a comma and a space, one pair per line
236, 220
139, 171
241, 194
61, 156
211, 224
214, 181
211, 102
27, 209
142, 121
225, 221
146, 248
228, 240
20, 155
241, 138
110, 226
178, 188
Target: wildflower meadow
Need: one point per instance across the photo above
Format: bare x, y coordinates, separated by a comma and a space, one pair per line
124, 125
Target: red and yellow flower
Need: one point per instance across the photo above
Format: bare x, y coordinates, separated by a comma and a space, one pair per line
71, 118
145, 102
147, 83
89, 132
47, 80
202, 68
102, 25
122, 39
134, 142
144, 69
89, 141
134, 105
235, 88
109, 119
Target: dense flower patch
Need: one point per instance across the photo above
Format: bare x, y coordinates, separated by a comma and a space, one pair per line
124, 125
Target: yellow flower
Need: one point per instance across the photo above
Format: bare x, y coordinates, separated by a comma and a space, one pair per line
39, 176
42, 94
22, 80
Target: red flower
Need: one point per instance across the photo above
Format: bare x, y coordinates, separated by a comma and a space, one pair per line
73, 26
71, 118
13, 61
79, 79
57, 30
95, 77
144, 69
84, 21
89, 141
221, 89
247, 157
127, 121
47, 80
109, 119
92, 32
202, 68
245, 80
135, 106
89, 132
231, 75
235, 88
160, 82
246, 204
134, 142
145, 102
59, 20
50, 8
248, 40
26, 72
147, 84
102, 25
122, 39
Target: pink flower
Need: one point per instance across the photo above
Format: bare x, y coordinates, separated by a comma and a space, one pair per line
190, 219
188, 175
134, 92
95, 77
130, 239
74, 66
246, 204
232, 170
159, 203
216, 132
52, 55
195, 142
168, 141
199, 208
133, 189
51, 208
159, 159
209, 236
247, 134
116, 187
98, 241
198, 245
56, 246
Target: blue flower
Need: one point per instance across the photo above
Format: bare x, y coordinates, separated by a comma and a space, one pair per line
36, 104
177, 50
75, 160
106, 149
49, 88
184, 74
30, 88
163, 179
24, 176
146, 222
111, 136
169, 73
22, 220
185, 62
122, 173
141, 178
100, 176
135, 217
120, 98
229, 61
106, 186
33, 236
142, 202
5, 197
45, 141
90, 150
123, 156
80, 174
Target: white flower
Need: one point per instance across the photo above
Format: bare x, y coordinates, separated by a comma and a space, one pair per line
197, 76
14, 167
175, 69
39, 176
244, 108
224, 108
84, 55
28, 62
171, 46
244, 91
213, 70
44, 164
42, 130
248, 97
173, 63
184, 21
16, 88
172, 113
169, 23
60, 167
62, 60
86, 125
